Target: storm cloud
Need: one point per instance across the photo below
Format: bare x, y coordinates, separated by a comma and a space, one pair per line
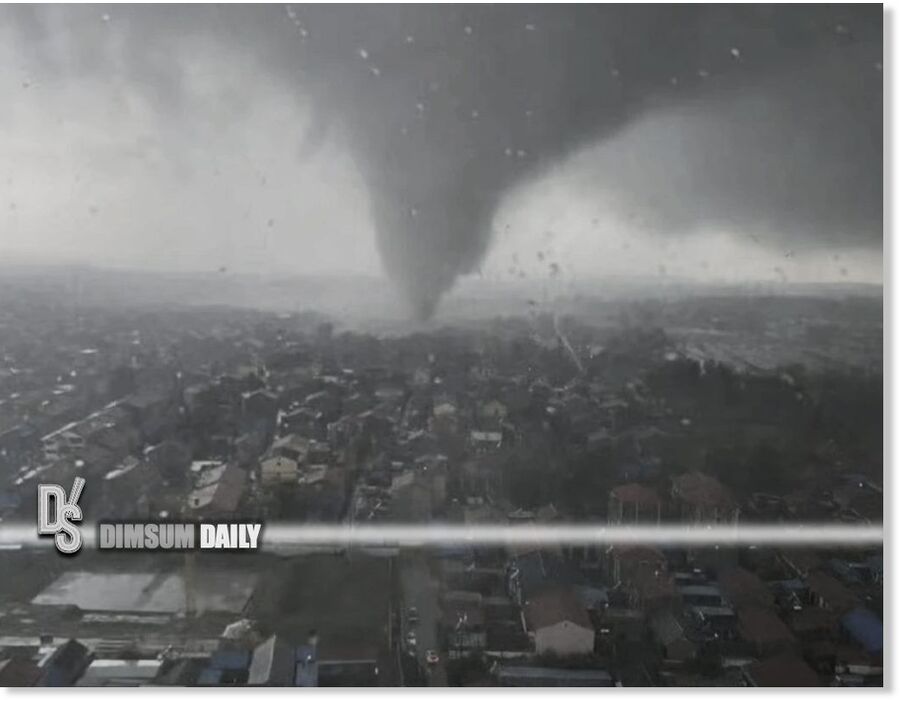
766, 120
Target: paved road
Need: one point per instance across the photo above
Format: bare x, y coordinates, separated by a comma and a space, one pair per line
421, 590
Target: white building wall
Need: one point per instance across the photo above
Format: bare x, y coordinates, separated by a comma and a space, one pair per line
565, 639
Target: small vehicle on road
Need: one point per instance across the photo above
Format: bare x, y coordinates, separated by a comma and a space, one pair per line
432, 657
412, 616
411, 639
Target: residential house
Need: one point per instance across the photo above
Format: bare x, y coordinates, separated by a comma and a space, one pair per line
701, 499
830, 594
670, 635
303, 421
642, 574
743, 588
277, 470
485, 441
62, 666
153, 413
784, 670
558, 624
702, 595
171, 458
273, 664
18, 672
220, 494
227, 666
533, 676
619, 624
535, 571
444, 418
764, 630
130, 490
292, 446
634, 503
181, 672
111, 672
864, 629
811, 624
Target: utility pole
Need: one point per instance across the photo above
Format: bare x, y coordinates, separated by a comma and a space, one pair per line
190, 602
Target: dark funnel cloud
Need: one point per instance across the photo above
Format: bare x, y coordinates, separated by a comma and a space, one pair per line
777, 109
447, 107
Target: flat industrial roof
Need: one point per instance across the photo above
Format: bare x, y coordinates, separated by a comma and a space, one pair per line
214, 590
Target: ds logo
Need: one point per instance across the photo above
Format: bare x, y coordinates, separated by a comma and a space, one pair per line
68, 536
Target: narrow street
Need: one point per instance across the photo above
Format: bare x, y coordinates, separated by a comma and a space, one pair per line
421, 590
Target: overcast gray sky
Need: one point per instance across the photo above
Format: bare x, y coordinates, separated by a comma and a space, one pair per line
708, 142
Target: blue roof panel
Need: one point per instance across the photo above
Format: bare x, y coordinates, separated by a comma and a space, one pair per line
865, 628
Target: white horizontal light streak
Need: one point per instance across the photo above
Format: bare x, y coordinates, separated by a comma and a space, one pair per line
282, 535
571, 534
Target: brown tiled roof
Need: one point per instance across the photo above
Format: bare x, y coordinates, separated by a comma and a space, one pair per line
653, 586
555, 606
635, 493
745, 588
18, 673
787, 670
637, 554
836, 596
702, 490
812, 619
762, 626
